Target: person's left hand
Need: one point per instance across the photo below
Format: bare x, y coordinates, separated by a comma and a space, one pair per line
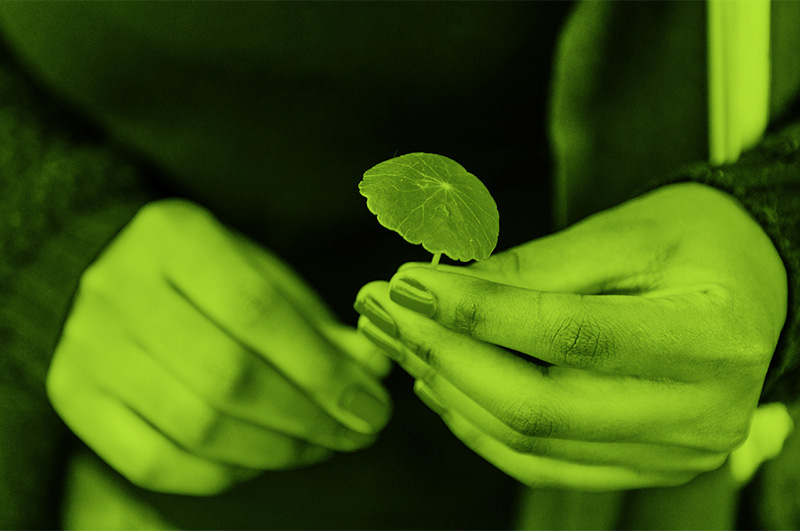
656, 320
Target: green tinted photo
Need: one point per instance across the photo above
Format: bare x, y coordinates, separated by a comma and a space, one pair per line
399, 265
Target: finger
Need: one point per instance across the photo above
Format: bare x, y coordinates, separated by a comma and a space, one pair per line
611, 333
184, 418
558, 402
248, 307
350, 342
285, 279
538, 472
391, 347
619, 250
228, 376
600, 254
129, 444
644, 458
246, 304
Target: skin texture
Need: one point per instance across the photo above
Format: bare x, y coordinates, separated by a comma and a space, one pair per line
193, 359
656, 322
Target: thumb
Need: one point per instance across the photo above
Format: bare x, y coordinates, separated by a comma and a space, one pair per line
591, 257
586, 259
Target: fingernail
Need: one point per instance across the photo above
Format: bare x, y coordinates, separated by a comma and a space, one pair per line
424, 394
377, 339
366, 407
379, 317
413, 295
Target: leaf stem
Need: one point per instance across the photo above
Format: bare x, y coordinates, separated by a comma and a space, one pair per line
435, 261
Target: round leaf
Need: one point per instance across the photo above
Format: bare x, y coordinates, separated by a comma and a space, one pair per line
433, 200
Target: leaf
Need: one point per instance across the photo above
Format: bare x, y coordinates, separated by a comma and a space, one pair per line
432, 200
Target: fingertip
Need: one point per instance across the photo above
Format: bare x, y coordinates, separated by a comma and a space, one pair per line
356, 442
427, 280
381, 365
366, 412
376, 289
356, 346
387, 346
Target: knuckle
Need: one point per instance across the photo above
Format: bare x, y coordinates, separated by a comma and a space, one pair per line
762, 351
203, 431
58, 384
527, 445
467, 317
152, 216
230, 379
258, 306
530, 420
517, 443
317, 426
727, 438
579, 343
158, 216
94, 280
145, 214
735, 436
430, 372
747, 343
508, 264
512, 263
752, 349
425, 352
148, 471
169, 208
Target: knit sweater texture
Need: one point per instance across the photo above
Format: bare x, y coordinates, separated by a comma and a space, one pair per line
64, 193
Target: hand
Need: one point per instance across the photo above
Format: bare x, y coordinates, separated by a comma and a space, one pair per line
193, 359
656, 322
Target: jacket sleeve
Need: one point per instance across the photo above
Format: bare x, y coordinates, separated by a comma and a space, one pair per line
766, 182
64, 194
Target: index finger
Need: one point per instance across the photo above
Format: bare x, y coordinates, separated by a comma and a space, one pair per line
621, 334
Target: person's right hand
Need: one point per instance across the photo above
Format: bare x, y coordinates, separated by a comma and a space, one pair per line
193, 359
